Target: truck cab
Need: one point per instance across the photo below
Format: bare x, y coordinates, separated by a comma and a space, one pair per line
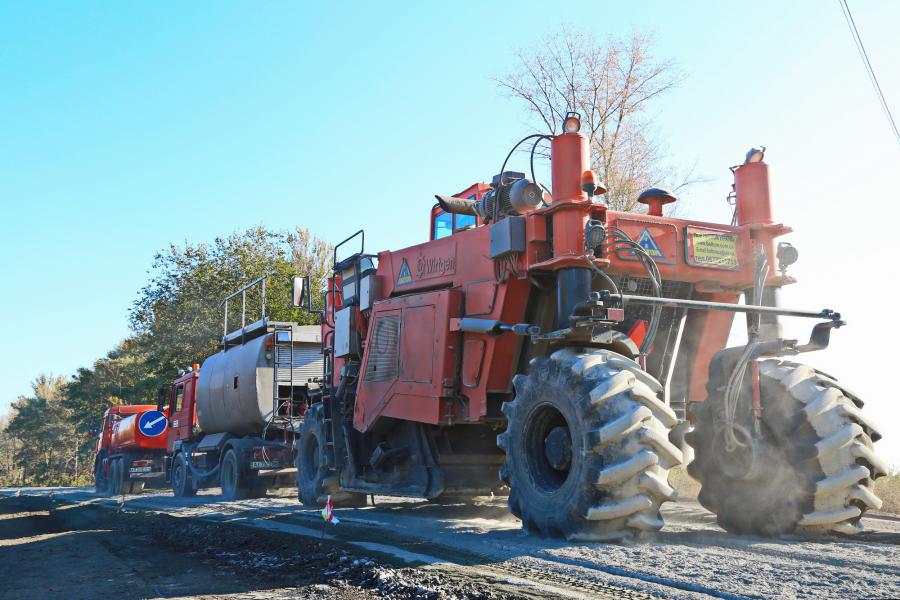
130, 448
181, 406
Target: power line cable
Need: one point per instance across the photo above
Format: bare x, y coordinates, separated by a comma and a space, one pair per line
848, 16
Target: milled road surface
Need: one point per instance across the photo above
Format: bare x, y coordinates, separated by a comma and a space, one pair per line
483, 543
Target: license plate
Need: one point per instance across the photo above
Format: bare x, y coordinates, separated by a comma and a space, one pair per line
140, 469
261, 464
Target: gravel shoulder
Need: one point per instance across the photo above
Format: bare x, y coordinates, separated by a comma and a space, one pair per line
470, 550
52, 549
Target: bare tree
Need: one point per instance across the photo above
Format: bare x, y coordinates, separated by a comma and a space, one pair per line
610, 85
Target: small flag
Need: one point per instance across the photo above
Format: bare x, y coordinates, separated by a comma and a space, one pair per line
328, 512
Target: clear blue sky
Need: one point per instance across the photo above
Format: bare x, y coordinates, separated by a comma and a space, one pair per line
127, 126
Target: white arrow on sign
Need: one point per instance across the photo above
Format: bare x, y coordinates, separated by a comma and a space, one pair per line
152, 423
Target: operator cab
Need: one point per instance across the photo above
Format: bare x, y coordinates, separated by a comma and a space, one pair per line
444, 224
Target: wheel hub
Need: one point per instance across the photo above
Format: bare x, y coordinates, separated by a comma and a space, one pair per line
547, 448
558, 448
739, 459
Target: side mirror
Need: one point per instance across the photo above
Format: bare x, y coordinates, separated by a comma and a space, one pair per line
300, 294
161, 400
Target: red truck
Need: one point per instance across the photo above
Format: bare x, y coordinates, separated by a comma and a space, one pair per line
131, 448
234, 420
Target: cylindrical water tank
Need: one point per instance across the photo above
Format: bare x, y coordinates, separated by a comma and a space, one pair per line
235, 389
127, 435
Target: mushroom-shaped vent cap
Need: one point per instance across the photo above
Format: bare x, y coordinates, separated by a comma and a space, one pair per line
665, 196
655, 198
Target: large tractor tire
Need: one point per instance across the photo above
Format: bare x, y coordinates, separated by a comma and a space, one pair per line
182, 485
317, 478
587, 449
235, 484
813, 464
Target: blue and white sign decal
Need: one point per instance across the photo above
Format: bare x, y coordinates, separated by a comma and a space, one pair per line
152, 423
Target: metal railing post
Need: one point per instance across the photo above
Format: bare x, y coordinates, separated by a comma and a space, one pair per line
263, 300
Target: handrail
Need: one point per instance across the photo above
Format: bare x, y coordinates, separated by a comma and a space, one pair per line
362, 245
243, 294
245, 288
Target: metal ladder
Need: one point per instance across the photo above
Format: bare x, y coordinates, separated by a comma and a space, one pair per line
283, 360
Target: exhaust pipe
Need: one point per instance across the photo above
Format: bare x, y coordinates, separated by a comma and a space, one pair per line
459, 206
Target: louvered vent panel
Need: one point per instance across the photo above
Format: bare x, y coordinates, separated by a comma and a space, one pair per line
384, 349
307, 363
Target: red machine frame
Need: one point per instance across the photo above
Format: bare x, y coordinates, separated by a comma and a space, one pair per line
555, 240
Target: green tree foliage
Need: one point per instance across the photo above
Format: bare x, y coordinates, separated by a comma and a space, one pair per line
46, 449
10, 472
123, 376
177, 317
176, 321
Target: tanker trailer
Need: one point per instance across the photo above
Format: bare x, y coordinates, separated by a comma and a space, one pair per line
234, 419
131, 449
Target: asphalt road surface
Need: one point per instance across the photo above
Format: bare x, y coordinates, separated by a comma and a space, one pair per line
411, 549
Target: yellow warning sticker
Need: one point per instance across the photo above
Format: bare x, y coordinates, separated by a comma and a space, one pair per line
405, 276
714, 249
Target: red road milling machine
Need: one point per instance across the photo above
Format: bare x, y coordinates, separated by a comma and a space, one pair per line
570, 347
131, 449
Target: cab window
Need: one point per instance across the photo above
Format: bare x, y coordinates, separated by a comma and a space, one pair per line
443, 225
464, 222
179, 397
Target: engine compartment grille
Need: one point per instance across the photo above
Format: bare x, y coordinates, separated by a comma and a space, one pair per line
384, 350
660, 358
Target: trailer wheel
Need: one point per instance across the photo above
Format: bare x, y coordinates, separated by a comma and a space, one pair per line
230, 477
101, 483
810, 469
317, 478
116, 476
587, 449
234, 483
181, 481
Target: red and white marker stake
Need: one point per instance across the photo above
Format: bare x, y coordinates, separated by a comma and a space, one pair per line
328, 512
328, 515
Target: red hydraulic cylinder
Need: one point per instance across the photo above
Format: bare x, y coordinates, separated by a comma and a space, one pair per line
751, 186
571, 209
753, 207
570, 158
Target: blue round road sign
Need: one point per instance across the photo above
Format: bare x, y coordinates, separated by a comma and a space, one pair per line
152, 423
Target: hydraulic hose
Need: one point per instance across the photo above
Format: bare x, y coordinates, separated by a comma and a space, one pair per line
194, 472
620, 238
735, 380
